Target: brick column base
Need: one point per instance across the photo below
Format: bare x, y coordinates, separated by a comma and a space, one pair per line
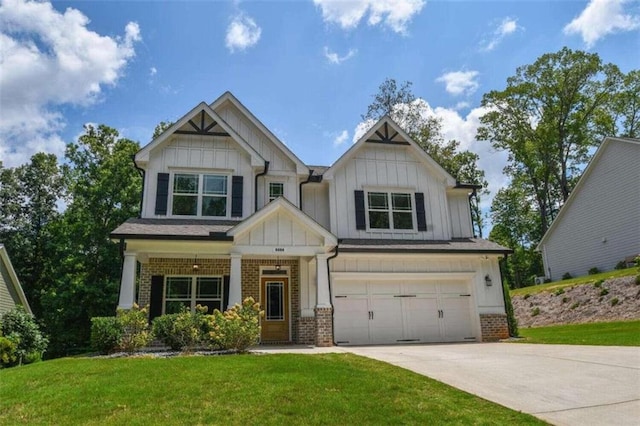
324, 327
494, 327
307, 331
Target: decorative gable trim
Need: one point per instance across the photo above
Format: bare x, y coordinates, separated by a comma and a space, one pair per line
301, 168
197, 113
389, 136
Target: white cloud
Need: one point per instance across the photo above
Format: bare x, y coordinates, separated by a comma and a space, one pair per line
394, 14
49, 59
461, 105
602, 17
153, 71
459, 82
341, 138
506, 27
243, 32
334, 58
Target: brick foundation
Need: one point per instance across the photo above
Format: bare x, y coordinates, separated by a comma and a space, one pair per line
307, 331
494, 327
324, 327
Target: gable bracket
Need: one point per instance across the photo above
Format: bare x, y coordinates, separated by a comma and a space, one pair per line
385, 138
201, 129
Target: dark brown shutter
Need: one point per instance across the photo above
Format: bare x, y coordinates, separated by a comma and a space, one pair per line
225, 292
360, 212
162, 193
420, 212
236, 196
157, 289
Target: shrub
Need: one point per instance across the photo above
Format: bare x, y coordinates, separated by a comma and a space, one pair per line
565, 299
598, 283
621, 265
594, 271
106, 334
637, 279
614, 301
535, 312
575, 305
558, 292
566, 276
512, 321
8, 347
237, 328
604, 292
526, 296
20, 326
135, 328
182, 331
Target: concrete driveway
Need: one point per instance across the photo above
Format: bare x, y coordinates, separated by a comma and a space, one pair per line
562, 384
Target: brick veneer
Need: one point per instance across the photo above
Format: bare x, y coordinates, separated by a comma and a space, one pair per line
324, 327
494, 327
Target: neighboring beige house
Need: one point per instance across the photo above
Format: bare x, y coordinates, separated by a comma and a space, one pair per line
376, 249
11, 293
599, 225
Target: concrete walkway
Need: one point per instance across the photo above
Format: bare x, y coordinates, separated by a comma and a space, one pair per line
562, 384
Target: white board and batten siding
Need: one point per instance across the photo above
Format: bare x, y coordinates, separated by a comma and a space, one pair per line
197, 154
600, 225
460, 216
280, 229
387, 168
315, 202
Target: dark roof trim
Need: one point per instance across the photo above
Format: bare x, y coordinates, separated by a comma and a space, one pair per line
385, 142
421, 250
467, 186
213, 236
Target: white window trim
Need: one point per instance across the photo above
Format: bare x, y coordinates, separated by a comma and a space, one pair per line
389, 191
200, 174
268, 182
194, 295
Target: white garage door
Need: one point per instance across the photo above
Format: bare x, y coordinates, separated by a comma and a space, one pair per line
382, 312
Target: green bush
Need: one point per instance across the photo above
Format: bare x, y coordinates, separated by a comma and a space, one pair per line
526, 296
512, 321
183, 331
614, 301
558, 292
575, 305
598, 283
637, 279
21, 325
8, 351
106, 334
237, 328
566, 276
594, 271
621, 265
135, 328
565, 299
535, 312
604, 292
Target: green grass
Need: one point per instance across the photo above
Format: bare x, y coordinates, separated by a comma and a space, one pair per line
238, 389
619, 333
587, 279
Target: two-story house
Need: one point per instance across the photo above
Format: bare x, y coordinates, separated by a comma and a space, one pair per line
376, 249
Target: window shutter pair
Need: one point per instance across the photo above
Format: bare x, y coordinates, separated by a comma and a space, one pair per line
361, 223
162, 195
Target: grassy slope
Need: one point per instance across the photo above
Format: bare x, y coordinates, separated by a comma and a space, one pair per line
619, 333
588, 279
251, 389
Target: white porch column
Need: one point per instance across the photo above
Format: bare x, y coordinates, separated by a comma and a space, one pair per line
235, 280
128, 282
323, 299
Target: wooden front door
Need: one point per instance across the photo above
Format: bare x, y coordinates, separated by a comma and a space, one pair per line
274, 297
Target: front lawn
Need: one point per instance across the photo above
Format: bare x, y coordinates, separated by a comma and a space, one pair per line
586, 279
619, 333
237, 389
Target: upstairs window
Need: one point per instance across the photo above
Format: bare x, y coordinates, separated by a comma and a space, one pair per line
276, 189
200, 195
390, 210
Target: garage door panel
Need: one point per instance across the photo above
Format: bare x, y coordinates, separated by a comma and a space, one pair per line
385, 288
453, 287
351, 288
351, 320
421, 319
456, 318
386, 320
420, 287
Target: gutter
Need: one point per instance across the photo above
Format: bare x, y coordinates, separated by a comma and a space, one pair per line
333, 335
142, 174
255, 186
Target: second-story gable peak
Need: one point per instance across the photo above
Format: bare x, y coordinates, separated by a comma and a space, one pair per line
387, 132
201, 120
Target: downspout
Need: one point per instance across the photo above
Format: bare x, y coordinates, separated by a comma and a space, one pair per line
504, 296
330, 292
300, 188
473, 229
142, 174
255, 186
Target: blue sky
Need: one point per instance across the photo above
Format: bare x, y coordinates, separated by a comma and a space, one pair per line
306, 69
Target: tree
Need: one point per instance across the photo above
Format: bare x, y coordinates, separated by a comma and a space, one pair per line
548, 117
103, 191
160, 128
626, 107
414, 117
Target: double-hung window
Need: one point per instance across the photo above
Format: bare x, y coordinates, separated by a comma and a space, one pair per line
187, 292
390, 210
200, 195
276, 189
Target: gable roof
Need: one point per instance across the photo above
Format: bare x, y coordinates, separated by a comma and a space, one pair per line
13, 278
581, 182
282, 204
374, 135
227, 96
143, 154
